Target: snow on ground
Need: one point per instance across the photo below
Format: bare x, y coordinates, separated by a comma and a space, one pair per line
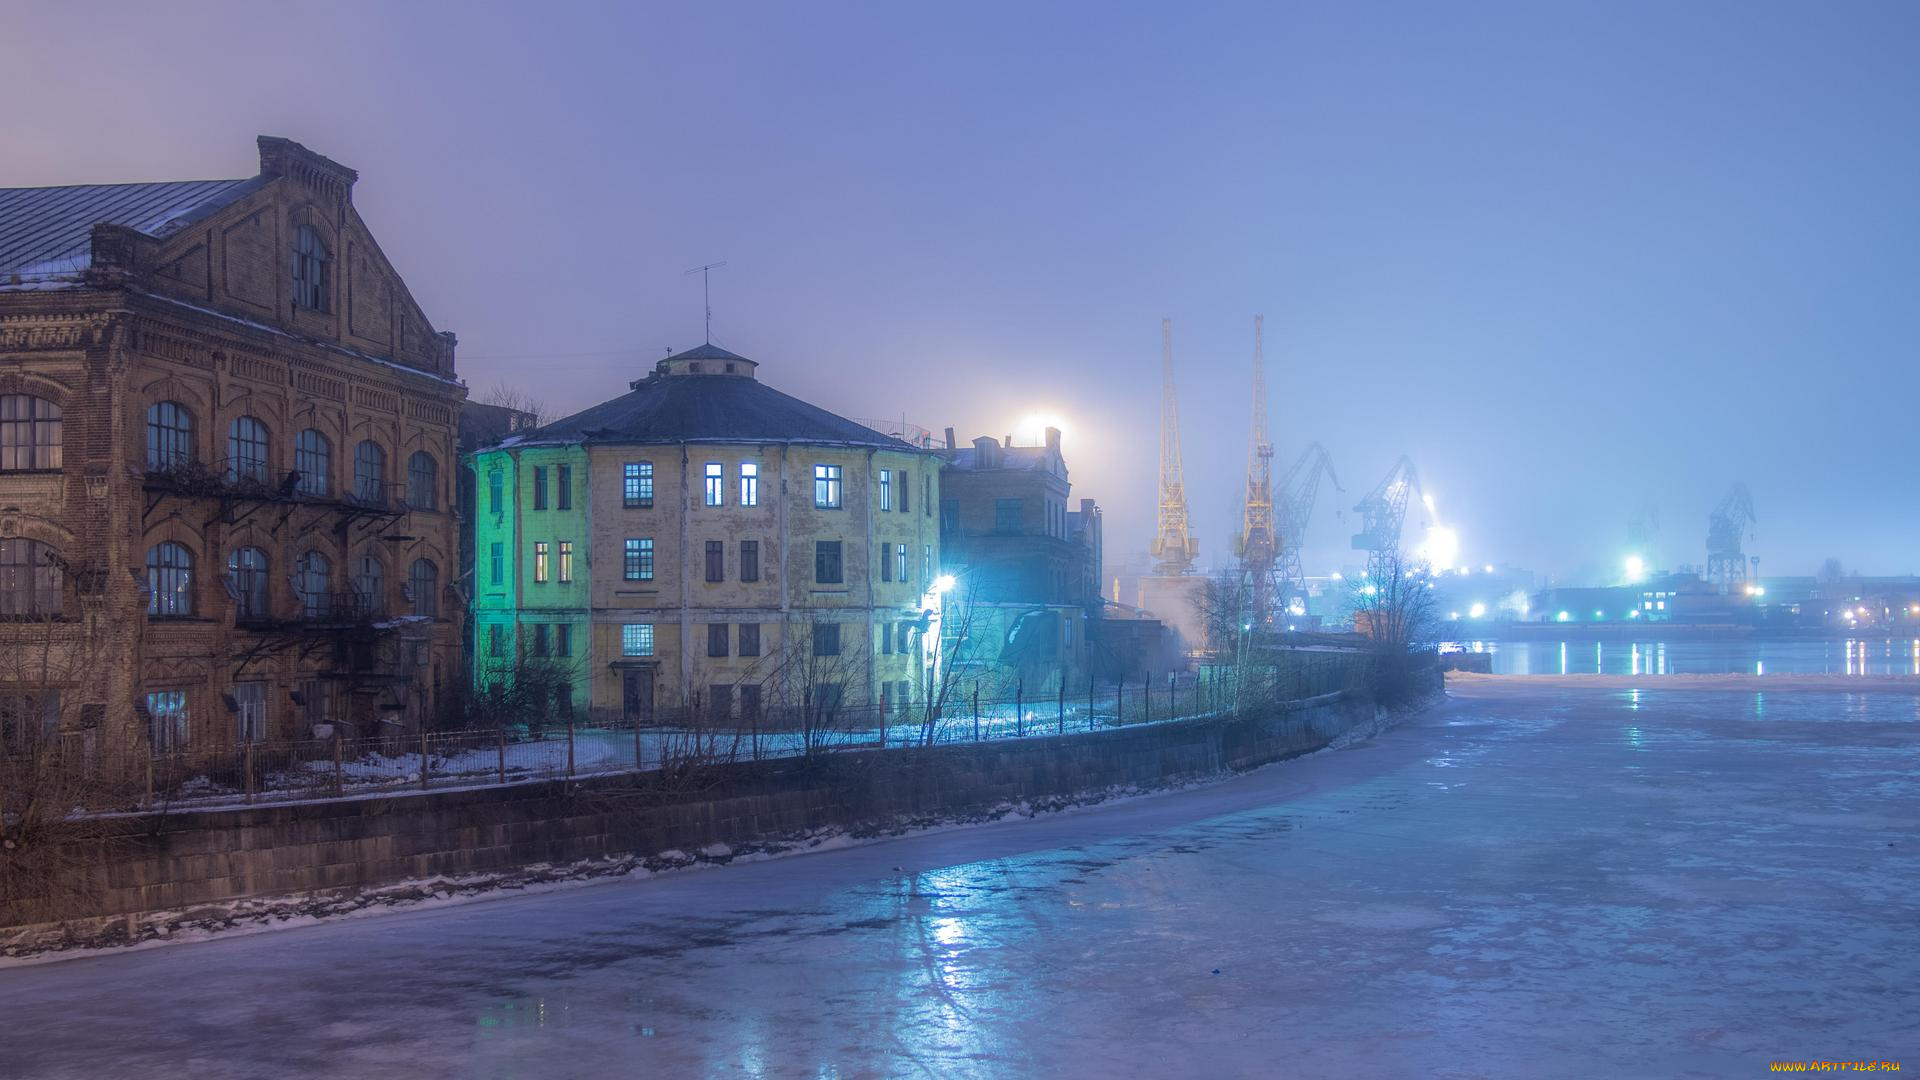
1534, 880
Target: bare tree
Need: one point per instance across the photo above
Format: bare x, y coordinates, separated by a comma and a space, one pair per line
818, 681
1394, 607
1231, 613
508, 396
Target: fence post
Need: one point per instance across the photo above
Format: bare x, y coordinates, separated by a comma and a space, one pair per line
339, 773
1146, 698
247, 764
1063, 702
1019, 707
569, 746
976, 710
426, 763
500, 750
638, 763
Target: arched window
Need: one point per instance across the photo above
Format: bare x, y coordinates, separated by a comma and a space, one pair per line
370, 473
309, 270
247, 450
169, 435
313, 457
29, 433
29, 579
423, 581
312, 576
170, 577
370, 586
423, 474
248, 567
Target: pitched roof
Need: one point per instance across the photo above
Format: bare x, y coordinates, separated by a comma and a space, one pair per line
671, 408
47, 232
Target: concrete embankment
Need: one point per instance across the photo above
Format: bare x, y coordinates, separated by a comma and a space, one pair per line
156, 873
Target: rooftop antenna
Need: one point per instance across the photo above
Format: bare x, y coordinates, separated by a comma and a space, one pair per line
706, 294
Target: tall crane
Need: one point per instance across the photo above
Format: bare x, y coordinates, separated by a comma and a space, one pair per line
1258, 544
1293, 507
1727, 529
1382, 512
1174, 546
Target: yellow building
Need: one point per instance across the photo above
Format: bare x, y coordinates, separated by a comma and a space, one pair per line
747, 553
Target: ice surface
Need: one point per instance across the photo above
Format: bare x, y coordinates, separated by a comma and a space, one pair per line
1534, 880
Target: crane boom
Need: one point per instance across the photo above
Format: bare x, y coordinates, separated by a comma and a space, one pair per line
1293, 509
1382, 513
1727, 529
1174, 547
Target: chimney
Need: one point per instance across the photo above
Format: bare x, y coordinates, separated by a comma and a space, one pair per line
1009, 442
949, 438
1053, 439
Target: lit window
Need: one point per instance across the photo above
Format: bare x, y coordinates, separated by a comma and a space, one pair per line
167, 717
637, 485
29, 433
539, 562
313, 459
826, 487
247, 450
170, 577
749, 483
716, 489
309, 270
638, 562
566, 561
169, 436
899, 561
886, 489
636, 639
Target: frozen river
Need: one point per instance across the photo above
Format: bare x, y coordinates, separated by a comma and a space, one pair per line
1533, 880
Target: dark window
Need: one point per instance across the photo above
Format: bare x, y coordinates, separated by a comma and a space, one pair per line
716, 560
247, 450
370, 473
369, 586
749, 639
423, 582
313, 458
717, 639
309, 270
497, 556
542, 639
749, 560
639, 558
30, 580
29, 433
170, 577
637, 489
826, 487
886, 639
949, 516
169, 435
539, 487
312, 577
826, 563
826, 639
496, 640
563, 642
926, 492
719, 703
749, 703
886, 564
423, 481
563, 485
1008, 515
496, 491
248, 569
905, 486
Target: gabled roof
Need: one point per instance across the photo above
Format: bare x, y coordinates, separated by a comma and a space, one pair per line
47, 232
709, 351
673, 408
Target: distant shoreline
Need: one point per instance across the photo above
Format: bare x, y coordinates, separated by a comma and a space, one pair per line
1662, 631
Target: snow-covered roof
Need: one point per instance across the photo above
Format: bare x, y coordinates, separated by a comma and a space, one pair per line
46, 233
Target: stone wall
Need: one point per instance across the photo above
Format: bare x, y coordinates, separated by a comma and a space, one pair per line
182, 860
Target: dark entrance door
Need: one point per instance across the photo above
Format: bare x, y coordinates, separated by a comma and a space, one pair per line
636, 695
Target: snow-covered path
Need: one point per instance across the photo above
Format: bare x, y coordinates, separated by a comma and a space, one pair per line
1530, 881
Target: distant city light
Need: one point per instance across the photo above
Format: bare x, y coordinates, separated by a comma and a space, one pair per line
943, 583
1599, 614
1454, 615
1487, 569
1636, 569
1441, 548
1033, 427
1477, 611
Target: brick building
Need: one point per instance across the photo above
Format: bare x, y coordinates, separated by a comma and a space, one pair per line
226, 463
706, 544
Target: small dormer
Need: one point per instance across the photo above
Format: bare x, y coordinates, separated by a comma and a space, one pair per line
706, 360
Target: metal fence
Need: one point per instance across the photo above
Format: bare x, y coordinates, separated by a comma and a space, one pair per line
279, 771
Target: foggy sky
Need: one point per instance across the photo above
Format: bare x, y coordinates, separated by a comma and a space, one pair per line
1575, 260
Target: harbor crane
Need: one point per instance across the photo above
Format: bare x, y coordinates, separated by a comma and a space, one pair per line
1382, 512
1259, 544
1293, 508
1174, 546
1727, 530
